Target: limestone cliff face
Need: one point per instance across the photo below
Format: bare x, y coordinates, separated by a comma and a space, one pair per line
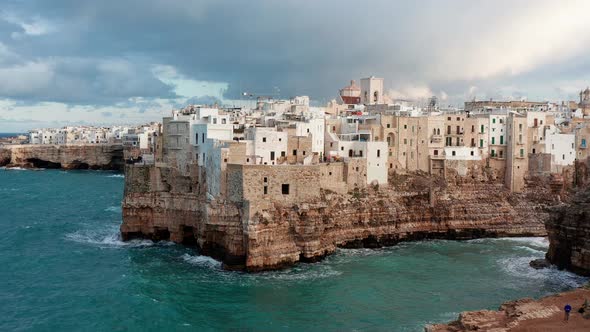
569, 234
89, 156
262, 235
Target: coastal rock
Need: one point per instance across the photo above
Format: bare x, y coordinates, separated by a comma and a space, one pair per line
82, 156
539, 264
263, 235
569, 234
545, 314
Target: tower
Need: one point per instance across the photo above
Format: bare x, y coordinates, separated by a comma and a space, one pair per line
372, 90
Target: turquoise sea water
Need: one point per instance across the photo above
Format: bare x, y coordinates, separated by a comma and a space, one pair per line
63, 268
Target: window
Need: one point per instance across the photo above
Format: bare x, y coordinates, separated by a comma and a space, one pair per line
265, 179
329, 173
493, 120
333, 128
501, 153
473, 128
405, 141
388, 125
304, 152
583, 142
280, 139
361, 153
493, 140
203, 138
521, 153
405, 126
493, 153
272, 155
453, 153
341, 148
481, 129
436, 152
265, 190
520, 126
285, 189
472, 153
283, 153
308, 130
448, 130
378, 153
294, 152
458, 119
501, 139
264, 139
449, 118
563, 157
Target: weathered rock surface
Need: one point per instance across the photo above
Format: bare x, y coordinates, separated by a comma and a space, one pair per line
86, 156
569, 234
545, 314
264, 235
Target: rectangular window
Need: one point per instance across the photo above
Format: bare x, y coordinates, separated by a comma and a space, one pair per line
405, 126
295, 152
493, 140
378, 153
472, 153
272, 155
493, 120
521, 153
264, 139
285, 189
203, 138
481, 129
501, 139
453, 153
265, 190
283, 153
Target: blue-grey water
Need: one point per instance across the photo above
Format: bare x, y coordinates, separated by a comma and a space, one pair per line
63, 268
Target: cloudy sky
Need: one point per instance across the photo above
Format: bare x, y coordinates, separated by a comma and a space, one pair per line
131, 61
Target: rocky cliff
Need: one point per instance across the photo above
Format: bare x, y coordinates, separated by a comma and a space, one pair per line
545, 314
569, 234
88, 156
254, 236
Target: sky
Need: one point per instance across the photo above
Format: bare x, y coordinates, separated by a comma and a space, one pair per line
132, 61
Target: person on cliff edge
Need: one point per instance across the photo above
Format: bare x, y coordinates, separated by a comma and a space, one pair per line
567, 310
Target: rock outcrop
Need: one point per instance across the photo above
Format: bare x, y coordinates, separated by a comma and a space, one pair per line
569, 234
545, 314
262, 235
84, 156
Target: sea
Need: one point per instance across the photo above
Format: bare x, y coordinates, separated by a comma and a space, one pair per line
64, 268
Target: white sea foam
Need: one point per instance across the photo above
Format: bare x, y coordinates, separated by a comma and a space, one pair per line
106, 239
14, 168
116, 176
300, 273
113, 209
539, 242
519, 267
201, 260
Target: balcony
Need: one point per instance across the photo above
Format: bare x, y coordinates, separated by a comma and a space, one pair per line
437, 157
520, 143
436, 138
583, 146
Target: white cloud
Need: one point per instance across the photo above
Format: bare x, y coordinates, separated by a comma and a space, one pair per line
34, 26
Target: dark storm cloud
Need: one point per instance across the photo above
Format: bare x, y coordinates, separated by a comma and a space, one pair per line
100, 52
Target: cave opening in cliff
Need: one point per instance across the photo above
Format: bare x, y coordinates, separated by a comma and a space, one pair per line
161, 234
39, 163
188, 236
76, 164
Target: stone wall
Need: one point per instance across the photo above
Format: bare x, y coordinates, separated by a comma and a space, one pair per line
84, 156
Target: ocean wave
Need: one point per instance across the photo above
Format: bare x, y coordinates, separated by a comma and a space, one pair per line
519, 267
14, 168
116, 176
539, 242
201, 260
113, 209
303, 272
106, 239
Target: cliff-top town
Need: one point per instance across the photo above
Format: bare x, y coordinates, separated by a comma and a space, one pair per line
358, 139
